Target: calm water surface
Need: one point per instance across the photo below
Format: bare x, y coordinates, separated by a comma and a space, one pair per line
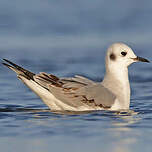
65, 39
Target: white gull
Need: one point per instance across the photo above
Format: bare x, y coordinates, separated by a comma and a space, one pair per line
81, 94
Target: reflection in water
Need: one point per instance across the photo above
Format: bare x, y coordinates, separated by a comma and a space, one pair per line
66, 112
118, 129
125, 136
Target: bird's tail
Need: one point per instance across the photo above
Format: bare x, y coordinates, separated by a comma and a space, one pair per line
18, 70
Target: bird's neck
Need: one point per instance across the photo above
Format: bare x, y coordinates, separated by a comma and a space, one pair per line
117, 81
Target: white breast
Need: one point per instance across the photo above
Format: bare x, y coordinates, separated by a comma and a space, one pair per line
116, 105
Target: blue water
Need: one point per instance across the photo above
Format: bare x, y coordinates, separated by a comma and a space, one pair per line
66, 38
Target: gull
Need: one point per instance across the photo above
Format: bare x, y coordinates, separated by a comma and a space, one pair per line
81, 94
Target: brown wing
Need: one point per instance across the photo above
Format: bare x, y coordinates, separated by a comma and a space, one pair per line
76, 91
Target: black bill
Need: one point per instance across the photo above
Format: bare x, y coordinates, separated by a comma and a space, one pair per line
140, 59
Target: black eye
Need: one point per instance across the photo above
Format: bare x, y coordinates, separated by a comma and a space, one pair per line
123, 53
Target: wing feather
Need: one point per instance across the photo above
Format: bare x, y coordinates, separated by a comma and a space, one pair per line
77, 91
